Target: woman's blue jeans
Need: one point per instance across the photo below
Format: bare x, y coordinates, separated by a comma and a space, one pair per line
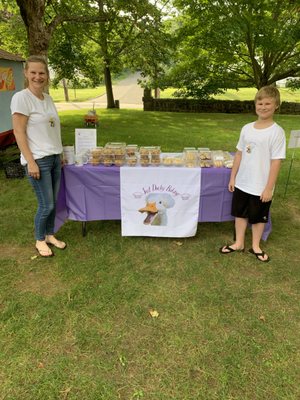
46, 189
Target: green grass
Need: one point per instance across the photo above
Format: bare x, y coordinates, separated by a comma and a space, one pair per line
77, 326
77, 95
245, 94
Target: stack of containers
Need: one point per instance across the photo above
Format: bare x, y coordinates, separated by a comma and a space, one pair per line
150, 155
205, 160
132, 152
228, 159
114, 153
190, 156
218, 158
96, 156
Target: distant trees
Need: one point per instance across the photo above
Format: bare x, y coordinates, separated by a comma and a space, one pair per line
235, 43
199, 47
107, 34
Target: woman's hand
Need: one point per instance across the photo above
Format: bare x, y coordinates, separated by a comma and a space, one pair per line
33, 170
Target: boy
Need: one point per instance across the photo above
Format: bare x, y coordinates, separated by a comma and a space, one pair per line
256, 165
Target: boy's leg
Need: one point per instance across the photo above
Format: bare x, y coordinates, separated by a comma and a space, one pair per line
257, 231
240, 231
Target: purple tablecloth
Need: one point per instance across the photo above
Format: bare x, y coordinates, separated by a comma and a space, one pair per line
91, 193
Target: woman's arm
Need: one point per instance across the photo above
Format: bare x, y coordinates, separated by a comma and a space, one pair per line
234, 170
19, 126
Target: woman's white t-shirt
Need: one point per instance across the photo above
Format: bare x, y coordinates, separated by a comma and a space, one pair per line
43, 126
258, 147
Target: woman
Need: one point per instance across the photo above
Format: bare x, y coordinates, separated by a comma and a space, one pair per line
37, 130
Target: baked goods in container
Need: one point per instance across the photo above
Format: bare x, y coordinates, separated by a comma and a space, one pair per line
150, 155
131, 160
218, 158
131, 150
190, 156
204, 153
205, 163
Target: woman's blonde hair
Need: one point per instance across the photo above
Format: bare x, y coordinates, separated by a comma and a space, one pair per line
36, 59
268, 91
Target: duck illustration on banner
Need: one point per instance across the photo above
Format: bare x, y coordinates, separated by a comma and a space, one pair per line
156, 208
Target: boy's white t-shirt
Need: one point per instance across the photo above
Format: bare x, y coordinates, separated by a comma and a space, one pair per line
258, 147
43, 126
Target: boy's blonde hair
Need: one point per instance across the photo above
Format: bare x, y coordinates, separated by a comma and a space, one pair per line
268, 91
36, 59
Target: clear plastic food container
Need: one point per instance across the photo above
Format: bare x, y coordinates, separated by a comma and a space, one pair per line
150, 155
204, 153
131, 161
132, 149
190, 157
218, 158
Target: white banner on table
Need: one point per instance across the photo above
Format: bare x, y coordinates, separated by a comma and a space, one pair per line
85, 139
162, 202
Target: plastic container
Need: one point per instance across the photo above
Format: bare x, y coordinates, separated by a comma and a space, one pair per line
204, 153
218, 158
132, 150
190, 156
131, 161
114, 153
150, 155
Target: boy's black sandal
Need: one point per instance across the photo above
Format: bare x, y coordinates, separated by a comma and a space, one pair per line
262, 254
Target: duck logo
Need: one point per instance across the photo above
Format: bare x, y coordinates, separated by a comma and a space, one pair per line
156, 208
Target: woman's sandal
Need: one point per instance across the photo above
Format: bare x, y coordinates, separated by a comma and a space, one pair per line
229, 250
262, 254
56, 243
45, 253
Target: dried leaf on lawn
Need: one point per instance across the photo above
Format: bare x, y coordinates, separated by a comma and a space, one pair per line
154, 313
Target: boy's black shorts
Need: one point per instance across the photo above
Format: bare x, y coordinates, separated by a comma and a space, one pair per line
245, 205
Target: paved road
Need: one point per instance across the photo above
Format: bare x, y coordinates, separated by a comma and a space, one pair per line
127, 91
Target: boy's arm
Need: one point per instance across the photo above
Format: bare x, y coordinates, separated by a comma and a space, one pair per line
267, 194
234, 170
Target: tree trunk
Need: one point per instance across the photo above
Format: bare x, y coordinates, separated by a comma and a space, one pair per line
109, 90
38, 34
65, 90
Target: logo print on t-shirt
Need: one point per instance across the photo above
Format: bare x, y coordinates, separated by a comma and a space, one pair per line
250, 147
52, 122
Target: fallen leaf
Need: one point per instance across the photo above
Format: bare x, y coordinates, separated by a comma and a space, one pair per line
179, 243
153, 313
33, 257
262, 318
65, 392
122, 360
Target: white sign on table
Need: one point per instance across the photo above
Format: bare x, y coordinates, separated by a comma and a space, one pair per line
161, 202
294, 140
85, 139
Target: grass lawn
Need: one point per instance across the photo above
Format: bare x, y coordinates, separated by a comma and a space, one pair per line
245, 94
77, 326
77, 95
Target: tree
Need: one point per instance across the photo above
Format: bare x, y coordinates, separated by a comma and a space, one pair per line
12, 29
41, 17
235, 43
121, 30
128, 28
